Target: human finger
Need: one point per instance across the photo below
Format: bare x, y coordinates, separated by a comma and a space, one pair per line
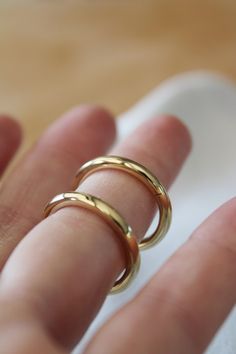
10, 139
78, 255
186, 302
47, 169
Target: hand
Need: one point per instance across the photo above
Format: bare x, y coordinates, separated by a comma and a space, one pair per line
57, 272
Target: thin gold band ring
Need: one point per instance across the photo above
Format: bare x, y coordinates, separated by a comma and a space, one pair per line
114, 219
146, 177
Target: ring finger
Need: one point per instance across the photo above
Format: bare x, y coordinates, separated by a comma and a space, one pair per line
47, 170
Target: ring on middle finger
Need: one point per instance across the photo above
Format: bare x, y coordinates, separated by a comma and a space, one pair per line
145, 176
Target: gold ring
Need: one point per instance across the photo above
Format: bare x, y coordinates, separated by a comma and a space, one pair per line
145, 176
114, 219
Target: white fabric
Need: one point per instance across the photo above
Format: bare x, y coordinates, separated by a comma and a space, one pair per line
207, 104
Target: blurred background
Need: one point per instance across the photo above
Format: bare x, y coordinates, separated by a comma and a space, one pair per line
58, 54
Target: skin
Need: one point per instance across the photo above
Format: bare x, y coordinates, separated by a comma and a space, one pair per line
50, 290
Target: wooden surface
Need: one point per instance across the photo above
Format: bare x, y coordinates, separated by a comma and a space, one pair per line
57, 54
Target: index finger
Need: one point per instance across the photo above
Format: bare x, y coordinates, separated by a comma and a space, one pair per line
184, 304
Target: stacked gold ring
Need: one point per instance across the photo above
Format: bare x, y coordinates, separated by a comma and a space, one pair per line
112, 217
146, 177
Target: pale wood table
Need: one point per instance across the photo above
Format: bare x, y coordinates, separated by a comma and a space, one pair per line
57, 54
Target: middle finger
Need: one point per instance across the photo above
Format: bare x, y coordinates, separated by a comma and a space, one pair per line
74, 253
